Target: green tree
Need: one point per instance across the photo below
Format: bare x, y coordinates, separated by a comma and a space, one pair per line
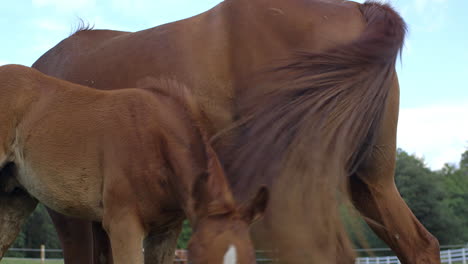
456, 187
184, 236
464, 162
38, 230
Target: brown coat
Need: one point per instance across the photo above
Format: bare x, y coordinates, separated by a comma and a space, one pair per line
134, 159
226, 54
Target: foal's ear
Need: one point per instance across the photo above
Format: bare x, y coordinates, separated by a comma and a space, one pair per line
255, 208
211, 191
211, 195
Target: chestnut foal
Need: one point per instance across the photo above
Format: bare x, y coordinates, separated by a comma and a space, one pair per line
137, 160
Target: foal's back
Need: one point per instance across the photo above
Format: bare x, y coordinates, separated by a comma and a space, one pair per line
88, 140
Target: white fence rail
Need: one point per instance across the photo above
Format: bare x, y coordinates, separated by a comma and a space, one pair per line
450, 256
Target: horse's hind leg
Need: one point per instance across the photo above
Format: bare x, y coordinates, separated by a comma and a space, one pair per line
160, 247
375, 195
15, 208
394, 222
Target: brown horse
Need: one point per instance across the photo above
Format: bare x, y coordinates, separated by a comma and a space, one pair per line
225, 55
136, 160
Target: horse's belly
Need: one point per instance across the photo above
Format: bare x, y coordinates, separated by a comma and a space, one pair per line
74, 193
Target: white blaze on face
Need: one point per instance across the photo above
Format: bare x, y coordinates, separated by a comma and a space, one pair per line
230, 257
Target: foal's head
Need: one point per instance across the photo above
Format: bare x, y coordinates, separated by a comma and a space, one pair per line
222, 237
221, 229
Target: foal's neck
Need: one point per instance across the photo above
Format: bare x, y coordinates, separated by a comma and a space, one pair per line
18, 91
199, 182
18, 88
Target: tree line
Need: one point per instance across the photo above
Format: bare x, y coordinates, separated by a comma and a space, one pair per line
439, 199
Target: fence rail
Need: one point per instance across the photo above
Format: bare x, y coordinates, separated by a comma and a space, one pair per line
450, 256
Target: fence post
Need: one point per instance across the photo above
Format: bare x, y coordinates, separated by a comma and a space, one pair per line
388, 260
449, 255
42, 254
464, 255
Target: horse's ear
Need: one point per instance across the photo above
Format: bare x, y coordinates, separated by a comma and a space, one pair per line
255, 208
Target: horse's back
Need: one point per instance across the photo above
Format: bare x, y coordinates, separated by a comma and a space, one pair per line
63, 57
216, 53
235, 36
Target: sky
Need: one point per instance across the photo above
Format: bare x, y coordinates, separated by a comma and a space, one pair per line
434, 92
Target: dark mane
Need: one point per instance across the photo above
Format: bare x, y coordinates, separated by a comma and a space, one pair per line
310, 127
82, 26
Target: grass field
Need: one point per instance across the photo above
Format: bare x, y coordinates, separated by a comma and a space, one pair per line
14, 261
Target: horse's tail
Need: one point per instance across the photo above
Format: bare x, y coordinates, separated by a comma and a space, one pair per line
314, 128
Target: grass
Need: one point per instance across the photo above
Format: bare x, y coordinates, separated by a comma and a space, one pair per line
29, 261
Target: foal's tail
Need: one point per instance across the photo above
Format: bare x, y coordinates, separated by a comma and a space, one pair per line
314, 128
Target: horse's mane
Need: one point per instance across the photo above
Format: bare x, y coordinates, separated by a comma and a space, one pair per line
82, 26
310, 127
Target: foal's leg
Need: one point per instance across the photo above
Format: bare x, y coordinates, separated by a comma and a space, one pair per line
160, 247
75, 237
375, 195
126, 236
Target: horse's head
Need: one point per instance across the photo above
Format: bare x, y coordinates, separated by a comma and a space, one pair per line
224, 238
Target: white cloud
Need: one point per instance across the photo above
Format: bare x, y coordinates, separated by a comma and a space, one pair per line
426, 15
437, 133
155, 12
65, 5
422, 5
51, 25
100, 22
135, 6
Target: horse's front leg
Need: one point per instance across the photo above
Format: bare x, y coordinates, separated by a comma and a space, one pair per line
15, 207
